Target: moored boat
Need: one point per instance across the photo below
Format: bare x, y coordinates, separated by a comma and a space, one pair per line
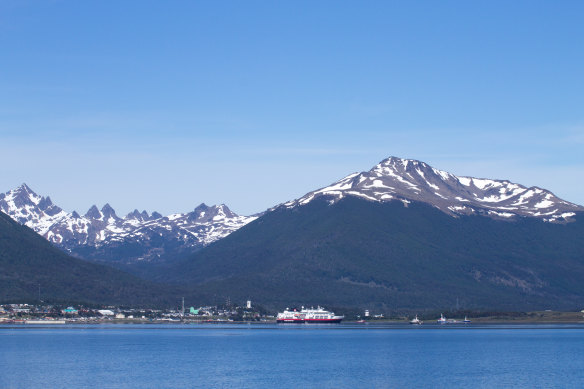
289, 316
320, 315
415, 320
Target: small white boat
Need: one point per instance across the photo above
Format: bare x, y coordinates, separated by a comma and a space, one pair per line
415, 320
466, 320
442, 320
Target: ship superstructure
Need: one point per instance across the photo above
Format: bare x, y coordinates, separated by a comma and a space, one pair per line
290, 316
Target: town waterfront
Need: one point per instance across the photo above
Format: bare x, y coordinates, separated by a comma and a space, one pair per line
269, 355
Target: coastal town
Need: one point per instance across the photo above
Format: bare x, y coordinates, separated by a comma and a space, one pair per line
47, 314
64, 314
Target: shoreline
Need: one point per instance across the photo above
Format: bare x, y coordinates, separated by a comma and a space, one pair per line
527, 318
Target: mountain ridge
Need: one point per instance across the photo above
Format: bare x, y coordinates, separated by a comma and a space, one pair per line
103, 235
412, 180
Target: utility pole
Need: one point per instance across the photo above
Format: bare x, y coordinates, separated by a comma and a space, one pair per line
182, 316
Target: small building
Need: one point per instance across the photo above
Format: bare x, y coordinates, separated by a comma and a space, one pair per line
70, 310
106, 312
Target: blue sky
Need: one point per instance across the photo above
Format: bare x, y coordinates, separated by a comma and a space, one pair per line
164, 105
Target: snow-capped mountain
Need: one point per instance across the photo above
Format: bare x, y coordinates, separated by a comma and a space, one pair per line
102, 235
26, 207
410, 180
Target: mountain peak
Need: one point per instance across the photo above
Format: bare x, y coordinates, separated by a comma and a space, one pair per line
24, 195
93, 213
27, 207
24, 187
108, 212
135, 214
409, 180
224, 209
201, 208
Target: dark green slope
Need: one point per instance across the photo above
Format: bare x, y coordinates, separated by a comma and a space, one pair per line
359, 253
28, 261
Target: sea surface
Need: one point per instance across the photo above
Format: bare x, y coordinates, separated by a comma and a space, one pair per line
292, 355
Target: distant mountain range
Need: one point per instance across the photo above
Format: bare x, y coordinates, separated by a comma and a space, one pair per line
102, 235
402, 235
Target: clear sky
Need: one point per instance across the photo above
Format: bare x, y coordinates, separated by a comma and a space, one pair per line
162, 105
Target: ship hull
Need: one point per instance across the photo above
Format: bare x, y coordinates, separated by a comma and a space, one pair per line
323, 320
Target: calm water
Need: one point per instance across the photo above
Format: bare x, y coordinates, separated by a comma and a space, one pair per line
339, 356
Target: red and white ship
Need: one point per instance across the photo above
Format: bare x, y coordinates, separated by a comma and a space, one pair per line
318, 315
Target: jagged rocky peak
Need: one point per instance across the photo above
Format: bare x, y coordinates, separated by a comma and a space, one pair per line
223, 209
202, 213
93, 213
108, 212
100, 228
27, 207
48, 207
23, 195
45, 202
201, 208
137, 215
411, 168
409, 180
24, 188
